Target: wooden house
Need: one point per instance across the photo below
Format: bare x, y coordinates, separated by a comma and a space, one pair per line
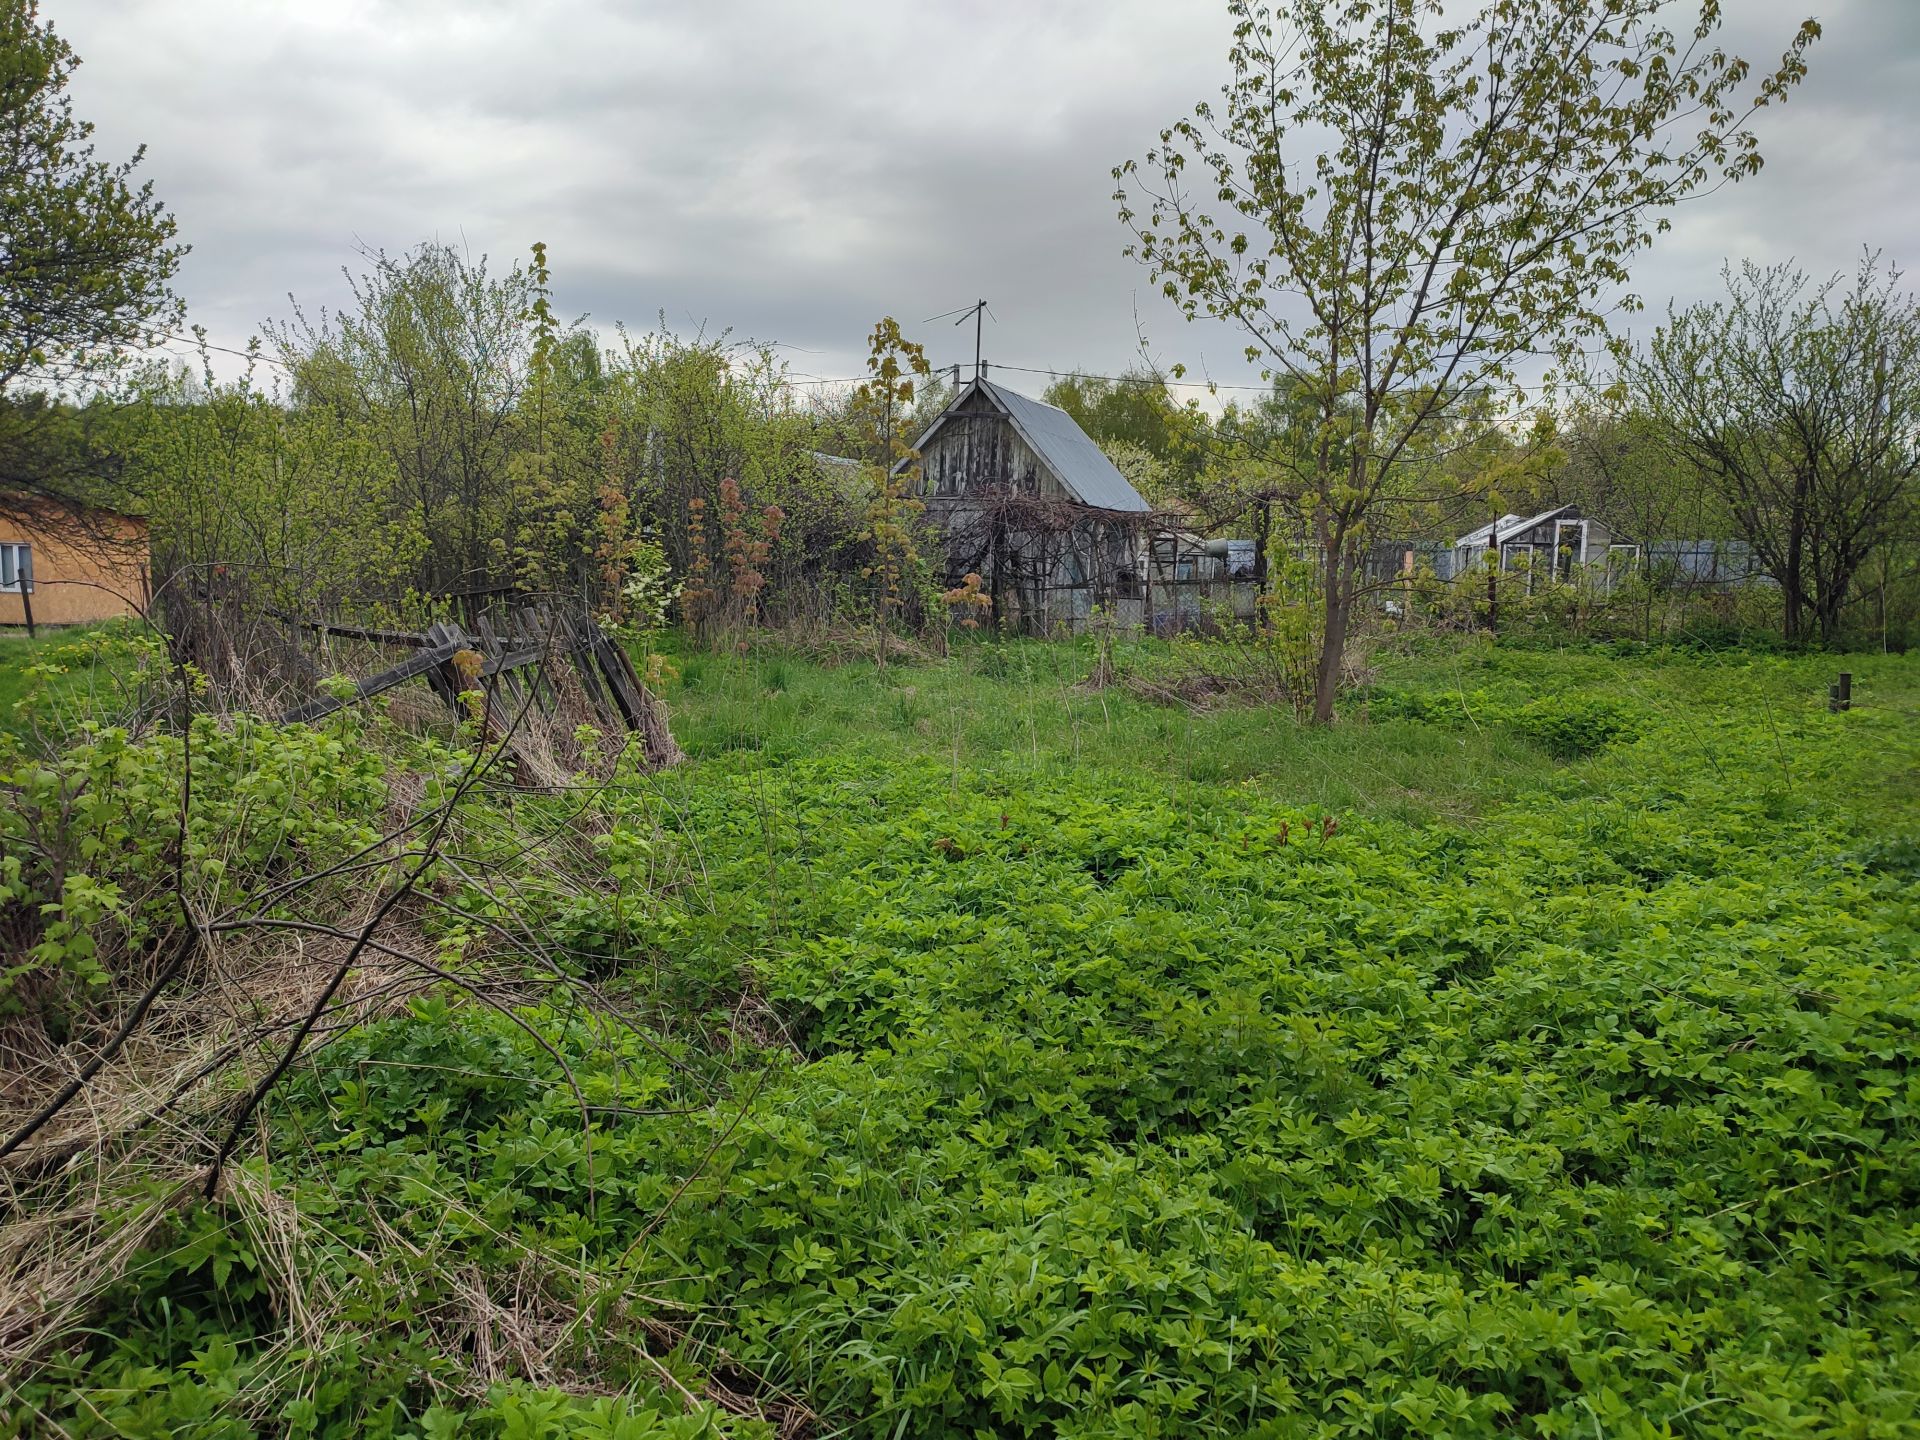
69, 565
1023, 498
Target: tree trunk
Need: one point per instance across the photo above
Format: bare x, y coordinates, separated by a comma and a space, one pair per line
1338, 596
1827, 606
1262, 530
1793, 582
1791, 605
996, 557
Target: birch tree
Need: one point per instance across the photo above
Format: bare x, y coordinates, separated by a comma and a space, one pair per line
1400, 210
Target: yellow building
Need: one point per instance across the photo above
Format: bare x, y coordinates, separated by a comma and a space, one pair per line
60, 566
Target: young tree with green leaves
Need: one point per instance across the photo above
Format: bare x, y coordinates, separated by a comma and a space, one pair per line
1799, 406
555, 473
895, 365
1137, 411
433, 363
236, 481
687, 414
1400, 206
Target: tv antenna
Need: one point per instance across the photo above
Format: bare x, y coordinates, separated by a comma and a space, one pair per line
971, 312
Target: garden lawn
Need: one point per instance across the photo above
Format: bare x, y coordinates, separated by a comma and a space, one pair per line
48, 682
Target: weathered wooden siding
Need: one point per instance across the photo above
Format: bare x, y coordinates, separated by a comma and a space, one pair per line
979, 452
1004, 515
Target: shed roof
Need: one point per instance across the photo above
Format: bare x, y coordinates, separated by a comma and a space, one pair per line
834, 462
1052, 434
1495, 530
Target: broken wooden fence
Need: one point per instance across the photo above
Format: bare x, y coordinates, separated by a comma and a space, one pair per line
535, 660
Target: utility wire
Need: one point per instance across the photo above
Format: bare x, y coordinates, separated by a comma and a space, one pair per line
806, 380
1167, 383
155, 337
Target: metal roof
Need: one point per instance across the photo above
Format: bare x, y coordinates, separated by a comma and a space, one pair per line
1484, 534
1052, 434
1058, 439
1507, 526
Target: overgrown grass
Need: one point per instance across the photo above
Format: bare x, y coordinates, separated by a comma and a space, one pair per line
1023, 708
51, 681
1532, 1054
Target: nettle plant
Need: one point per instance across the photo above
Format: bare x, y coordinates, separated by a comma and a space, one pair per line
103, 845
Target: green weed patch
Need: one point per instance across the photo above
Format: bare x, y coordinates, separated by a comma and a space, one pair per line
1106, 1099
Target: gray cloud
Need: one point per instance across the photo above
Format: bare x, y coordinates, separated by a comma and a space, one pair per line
796, 171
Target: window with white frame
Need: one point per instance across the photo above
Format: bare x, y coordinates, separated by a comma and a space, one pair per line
16, 567
1517, 558
1622, 561
1569, 549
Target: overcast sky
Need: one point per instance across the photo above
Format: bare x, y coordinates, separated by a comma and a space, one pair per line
795, 171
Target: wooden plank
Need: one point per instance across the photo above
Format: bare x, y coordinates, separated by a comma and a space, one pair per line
537, 632
580, 651
621, 681
439, 637
424, 663
410, 638
492, 649
513, 660
646, 717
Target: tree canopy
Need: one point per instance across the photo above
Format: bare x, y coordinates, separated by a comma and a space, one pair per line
1399, 208
1137, 412
86, 256
1799, 406
86, 261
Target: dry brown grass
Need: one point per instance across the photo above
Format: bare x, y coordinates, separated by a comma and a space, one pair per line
98, 1185
87, 1196
74, 1200
85, 1199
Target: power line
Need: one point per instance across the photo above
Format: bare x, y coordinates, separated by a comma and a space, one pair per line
805, 380
1123, 379
154, 337
1172, 384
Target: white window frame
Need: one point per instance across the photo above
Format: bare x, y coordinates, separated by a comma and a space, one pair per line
1579, 555
20, 553
1511, 548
